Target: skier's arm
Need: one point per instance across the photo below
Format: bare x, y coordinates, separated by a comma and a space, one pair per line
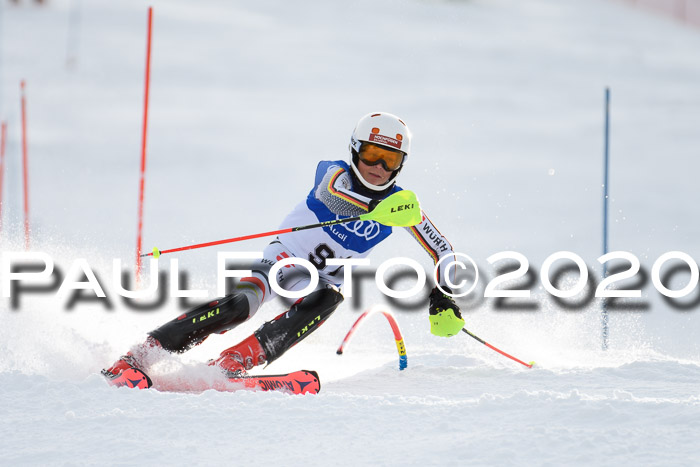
445, 318
334, 191
437, 246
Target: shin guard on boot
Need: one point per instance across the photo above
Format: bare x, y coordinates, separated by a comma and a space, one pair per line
289, 328
193, 327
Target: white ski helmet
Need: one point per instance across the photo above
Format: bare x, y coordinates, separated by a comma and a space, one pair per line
382, 129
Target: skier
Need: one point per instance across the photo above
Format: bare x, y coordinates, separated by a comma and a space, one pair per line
379, 147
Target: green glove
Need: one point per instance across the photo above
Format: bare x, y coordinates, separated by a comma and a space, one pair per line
445, 318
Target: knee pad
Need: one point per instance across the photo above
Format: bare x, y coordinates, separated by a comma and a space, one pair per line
191, 328
304, 317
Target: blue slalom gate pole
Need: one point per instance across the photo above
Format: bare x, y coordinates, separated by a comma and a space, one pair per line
74, 33
606, 191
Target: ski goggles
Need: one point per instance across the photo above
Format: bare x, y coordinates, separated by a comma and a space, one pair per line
371, 154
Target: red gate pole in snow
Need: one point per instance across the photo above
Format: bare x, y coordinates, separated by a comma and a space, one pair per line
3, 139
143, 146
398, 338
25, 168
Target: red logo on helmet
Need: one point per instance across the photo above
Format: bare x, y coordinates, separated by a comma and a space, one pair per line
381, 139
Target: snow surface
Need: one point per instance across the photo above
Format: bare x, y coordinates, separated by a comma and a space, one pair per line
504, 98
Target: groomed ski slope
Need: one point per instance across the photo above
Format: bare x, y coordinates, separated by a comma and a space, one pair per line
504, 98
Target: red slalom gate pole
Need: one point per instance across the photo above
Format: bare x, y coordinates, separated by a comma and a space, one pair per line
398, 338
3, 139
142, 184
25, 168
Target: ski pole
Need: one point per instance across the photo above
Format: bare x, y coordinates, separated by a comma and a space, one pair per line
529, 365
401, 209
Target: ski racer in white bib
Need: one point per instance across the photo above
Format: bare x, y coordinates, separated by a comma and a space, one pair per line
379, 148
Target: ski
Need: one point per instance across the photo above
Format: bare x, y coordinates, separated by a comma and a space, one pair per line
297, 382
131, 378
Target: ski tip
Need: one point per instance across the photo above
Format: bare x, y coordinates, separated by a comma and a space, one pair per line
531, 364
316, 387
131, 378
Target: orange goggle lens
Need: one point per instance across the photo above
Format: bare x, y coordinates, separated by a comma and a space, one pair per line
373, 155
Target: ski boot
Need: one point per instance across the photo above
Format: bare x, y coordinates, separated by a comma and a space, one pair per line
243, 356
